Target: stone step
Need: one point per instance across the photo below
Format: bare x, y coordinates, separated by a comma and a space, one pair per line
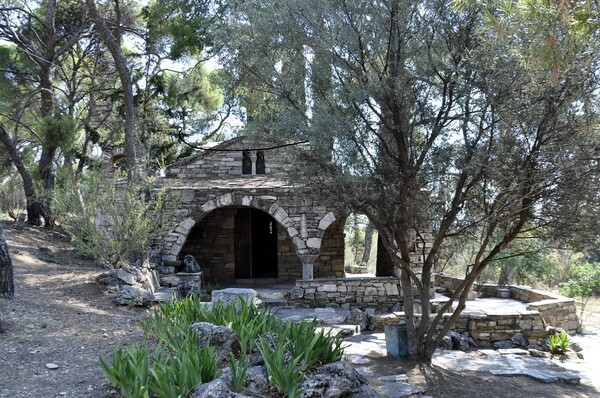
165, 294
345, 330
274, 303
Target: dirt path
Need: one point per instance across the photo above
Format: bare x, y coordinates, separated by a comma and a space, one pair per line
61, 316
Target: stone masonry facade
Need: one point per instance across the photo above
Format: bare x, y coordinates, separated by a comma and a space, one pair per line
207, 188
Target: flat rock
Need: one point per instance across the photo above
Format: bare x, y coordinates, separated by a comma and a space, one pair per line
399, 390
233, 294
513, 351
401, 378
52, 366
134, 295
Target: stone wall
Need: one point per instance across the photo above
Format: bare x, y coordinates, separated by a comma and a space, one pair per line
484, 327
216, 164
379, 293
554, 310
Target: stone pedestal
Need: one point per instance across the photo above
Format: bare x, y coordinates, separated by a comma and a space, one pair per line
192, 282
308, 262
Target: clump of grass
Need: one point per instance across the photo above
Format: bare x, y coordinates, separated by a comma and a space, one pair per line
559, 343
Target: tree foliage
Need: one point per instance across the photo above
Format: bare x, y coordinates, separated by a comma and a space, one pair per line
409, 100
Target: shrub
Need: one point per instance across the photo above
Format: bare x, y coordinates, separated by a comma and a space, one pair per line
109, 219
584, 284
12, 198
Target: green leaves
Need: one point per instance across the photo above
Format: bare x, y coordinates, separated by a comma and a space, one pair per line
129, 371
559, 343
585, 281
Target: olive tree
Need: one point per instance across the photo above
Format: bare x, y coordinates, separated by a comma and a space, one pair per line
476, 117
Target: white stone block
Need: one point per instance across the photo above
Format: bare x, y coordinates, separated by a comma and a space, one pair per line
280, 215
326, 221
314, 243
247, 200
188, 223
303, 227
208, 206
391, 289
300, 244
329, 287
292, 231
225, 200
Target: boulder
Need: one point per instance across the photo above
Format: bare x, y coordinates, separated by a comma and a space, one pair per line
106, 279
217, 388
170, 281
357, 317
221, 338
461, 341
122, 276
135, 271
519, 340
258, 380
503, 344
336, 380
134, 295
233, 294
297, 293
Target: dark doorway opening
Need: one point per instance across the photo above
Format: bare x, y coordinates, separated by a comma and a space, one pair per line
255, 244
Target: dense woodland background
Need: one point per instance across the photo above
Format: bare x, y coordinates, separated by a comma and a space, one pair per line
479, 118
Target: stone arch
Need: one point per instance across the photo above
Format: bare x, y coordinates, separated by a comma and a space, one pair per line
268, 204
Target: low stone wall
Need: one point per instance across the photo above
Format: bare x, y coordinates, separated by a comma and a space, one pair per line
379, 293
554, 310
486, 328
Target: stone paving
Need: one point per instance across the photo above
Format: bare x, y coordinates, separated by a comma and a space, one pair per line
366, 347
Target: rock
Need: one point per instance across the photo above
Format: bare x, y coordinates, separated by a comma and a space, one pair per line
20, 223
551, 330
221, 338
534, 347
170, 281
537, 353
134, 295
576, 347
135, 271
396, 307
52, 366
520, 340
190, 265
401, 378
297, 293
233, 294
446, 343
258, 380
215, 389
332, 305
122, 276
503, 344
461, 341
400, 390
357, 317
107, 279
336, 380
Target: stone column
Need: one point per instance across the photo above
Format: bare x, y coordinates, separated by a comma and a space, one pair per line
308, 261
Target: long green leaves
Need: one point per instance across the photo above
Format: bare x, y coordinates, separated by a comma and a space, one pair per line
129, 371
178, 364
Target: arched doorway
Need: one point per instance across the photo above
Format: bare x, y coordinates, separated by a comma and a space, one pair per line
255, 244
